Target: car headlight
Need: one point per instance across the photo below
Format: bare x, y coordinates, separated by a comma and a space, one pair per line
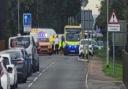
49, 46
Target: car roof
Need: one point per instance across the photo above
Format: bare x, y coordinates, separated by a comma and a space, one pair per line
21, 36
10, 50
17, 48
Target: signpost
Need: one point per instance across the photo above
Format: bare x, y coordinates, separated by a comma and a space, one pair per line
27, 22
113, 27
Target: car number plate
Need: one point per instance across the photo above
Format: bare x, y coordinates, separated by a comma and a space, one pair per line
72, 50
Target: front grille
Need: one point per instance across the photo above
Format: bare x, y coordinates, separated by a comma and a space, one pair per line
44, 46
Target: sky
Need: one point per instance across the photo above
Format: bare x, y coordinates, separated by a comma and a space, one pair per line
92, 5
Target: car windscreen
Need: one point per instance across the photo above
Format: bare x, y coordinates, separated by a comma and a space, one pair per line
72, 36
83, 42
90, 42
20, 42
15, 54
100, 43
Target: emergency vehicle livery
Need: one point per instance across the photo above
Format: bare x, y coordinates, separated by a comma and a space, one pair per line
72, 36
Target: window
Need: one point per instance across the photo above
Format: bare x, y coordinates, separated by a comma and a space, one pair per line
6, 60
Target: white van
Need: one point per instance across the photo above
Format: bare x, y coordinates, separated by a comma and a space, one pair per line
26, 41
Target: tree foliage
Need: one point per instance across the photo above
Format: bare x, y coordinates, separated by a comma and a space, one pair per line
120, 7
45, 13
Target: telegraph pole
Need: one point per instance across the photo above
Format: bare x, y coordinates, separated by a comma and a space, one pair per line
18, 5
107, 49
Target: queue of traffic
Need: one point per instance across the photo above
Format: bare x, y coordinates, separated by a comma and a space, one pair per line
22, 58
18, 62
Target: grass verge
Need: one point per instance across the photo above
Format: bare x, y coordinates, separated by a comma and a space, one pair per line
118, 73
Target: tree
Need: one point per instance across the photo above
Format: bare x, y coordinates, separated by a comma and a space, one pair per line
45, 13
3, 19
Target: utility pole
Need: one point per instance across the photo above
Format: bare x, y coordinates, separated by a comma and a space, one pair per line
107, 49
18, 5
37, 14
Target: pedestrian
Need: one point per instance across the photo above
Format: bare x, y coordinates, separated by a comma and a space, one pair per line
62, 44
52, 39
56, 42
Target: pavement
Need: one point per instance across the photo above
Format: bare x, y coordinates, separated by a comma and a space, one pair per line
97, 79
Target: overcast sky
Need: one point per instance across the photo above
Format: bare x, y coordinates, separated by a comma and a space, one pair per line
93, 5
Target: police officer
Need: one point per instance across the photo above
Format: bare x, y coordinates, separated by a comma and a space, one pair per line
56, 42
62, 44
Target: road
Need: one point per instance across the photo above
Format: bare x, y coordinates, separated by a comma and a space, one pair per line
58, 72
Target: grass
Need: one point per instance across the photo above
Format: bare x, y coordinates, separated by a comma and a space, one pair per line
118, 74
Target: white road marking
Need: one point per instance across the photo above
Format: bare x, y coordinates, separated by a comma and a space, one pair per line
36, 78
86, 81
80, 59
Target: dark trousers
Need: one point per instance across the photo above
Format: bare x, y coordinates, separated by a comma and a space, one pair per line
53, 48
56, 48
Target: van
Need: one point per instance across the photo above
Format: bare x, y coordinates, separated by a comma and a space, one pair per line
26, 41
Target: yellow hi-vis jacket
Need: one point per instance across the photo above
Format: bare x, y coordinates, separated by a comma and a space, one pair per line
61, 44
52, 39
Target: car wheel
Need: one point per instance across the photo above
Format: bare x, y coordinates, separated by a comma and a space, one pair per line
34, 70
30, 72
38, 67
50, 53
24, 80
16, 84
13, 86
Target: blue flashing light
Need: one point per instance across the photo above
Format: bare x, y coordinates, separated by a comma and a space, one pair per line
70, 46
41, 34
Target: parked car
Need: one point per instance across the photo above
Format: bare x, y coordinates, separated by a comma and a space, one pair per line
12, 71
4, 76
25, 56
100, 44
20, 62
26, 41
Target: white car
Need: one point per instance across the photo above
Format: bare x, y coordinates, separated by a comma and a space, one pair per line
4, 76
11, 68
28, 42
87, 47
100, 44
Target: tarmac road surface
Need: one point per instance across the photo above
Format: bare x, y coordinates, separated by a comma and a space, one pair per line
58, 72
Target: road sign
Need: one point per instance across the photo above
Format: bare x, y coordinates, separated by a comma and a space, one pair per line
113, 25
27, 21
113, 19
